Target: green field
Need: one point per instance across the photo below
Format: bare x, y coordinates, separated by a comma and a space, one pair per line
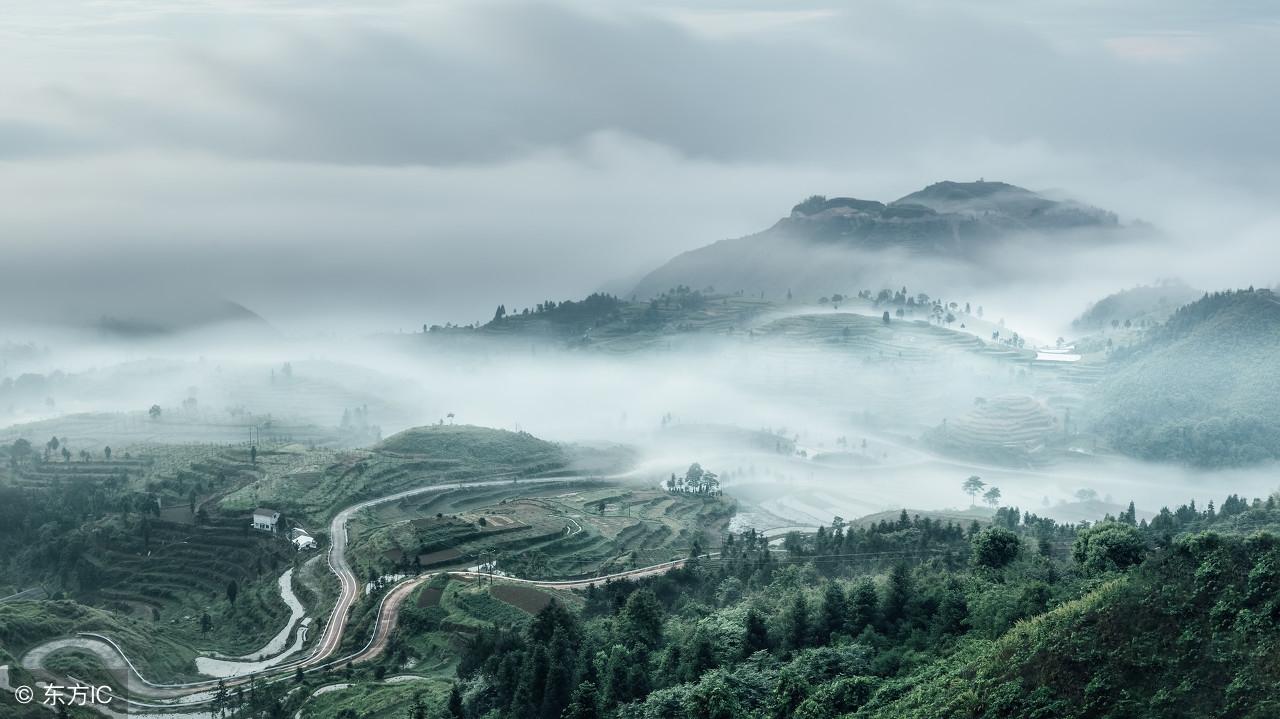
576, 529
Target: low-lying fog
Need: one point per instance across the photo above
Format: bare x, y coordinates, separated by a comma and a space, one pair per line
799, 434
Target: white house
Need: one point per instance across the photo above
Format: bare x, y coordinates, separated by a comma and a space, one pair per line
265, 519
301, 540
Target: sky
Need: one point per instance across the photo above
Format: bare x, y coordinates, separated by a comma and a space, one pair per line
365, 167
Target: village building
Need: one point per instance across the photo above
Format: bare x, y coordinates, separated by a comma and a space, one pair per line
265, 519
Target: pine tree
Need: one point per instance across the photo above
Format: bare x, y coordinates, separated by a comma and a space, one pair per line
897, 594
863, 606
585, 704
797, 623
700, 658
559, 679
832, 616
642, 619
756, 634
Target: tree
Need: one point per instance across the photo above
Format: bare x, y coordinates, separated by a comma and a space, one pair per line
995, 547
897, 594
714, 698
155, 411
253, 454
992, 497
206, 623
885, 317
693, 476
972, 486
106, 451
789, 694
21, 450
700, 657
755, 634
863, 608
66, 454
232, 591
559, 679
797, 623
297, 675
642, 618
1108, 546
832, 615
585, 704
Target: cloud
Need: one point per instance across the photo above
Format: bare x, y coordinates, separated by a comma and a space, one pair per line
399, 163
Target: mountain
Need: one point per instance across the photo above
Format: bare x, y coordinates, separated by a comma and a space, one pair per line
825, 242
1152, 303
118, 314
174, 318
1201, 388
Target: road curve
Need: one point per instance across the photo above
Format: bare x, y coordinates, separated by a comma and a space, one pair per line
191, 695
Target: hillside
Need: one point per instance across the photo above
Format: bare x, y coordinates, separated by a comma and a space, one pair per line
1202, 388
1023, 618
1006, 428
467, 443
1160, 642
809, 250
1145, 304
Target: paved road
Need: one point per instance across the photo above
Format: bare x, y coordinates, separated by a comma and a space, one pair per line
389, 611
190, 696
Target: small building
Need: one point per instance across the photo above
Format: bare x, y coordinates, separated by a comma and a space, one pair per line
265, 519
301, 540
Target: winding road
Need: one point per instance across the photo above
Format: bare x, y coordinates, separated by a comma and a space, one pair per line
190, 699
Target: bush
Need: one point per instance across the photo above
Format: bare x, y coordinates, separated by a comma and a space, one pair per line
1107, 547
995, 547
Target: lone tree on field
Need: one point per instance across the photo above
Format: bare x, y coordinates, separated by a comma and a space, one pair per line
232, 591
972, 486
885, 317
992, 497
106, 451
155, 411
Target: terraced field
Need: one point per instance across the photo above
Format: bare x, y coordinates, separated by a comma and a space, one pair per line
1011, 427
309, 484
576, 530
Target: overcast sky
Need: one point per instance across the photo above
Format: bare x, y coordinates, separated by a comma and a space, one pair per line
378, 165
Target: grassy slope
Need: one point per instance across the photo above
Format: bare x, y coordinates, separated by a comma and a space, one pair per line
467, 443
156, 652
312, 486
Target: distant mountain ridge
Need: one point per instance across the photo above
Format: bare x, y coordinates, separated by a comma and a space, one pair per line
953, 220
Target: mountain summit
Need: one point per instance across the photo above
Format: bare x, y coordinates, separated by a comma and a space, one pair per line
951, 220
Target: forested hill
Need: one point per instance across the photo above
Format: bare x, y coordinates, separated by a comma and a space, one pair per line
1202, 388
811, 247
1139, 305
918, 619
